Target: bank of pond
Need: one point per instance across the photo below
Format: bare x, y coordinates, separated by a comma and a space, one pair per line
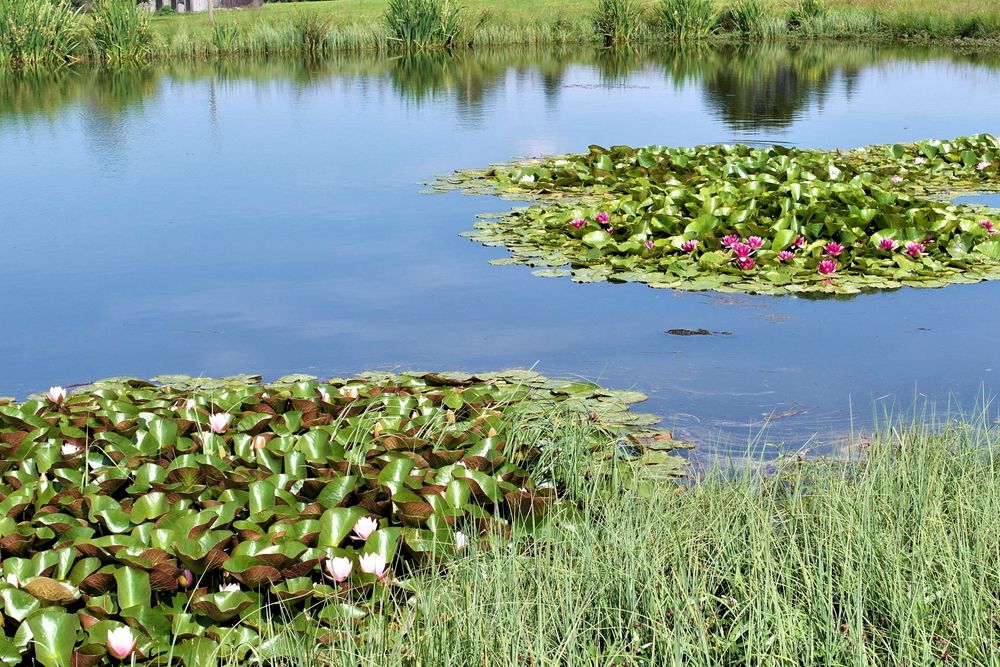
423, 518
46, 34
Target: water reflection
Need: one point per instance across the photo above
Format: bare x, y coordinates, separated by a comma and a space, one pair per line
748, 88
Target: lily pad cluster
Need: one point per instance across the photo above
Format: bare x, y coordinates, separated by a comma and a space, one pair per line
164, 521
742, 218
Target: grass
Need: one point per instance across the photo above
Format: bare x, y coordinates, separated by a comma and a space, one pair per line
327, 26
887, 559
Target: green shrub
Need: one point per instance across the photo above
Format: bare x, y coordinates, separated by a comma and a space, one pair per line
120, 30
38, 32
682, 20
617, 21
165, 10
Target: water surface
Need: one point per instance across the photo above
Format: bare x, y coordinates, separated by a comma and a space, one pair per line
266, 217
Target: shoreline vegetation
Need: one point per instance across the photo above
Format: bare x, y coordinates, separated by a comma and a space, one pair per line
48, 33
456, 519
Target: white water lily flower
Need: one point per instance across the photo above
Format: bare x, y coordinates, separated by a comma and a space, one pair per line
69, 449
527, 178
373, 564
121, 642
229, 588
461, 541
57, 394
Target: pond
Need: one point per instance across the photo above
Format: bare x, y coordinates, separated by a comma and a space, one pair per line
267, 217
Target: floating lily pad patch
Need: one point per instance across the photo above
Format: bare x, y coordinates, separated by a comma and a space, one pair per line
157, 521
737, 218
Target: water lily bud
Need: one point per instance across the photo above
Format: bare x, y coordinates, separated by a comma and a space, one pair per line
365, 527
338, 569
186, 580
377, 430
121, 642
461, 541
324, 395
190, 404
258, 442
57, 394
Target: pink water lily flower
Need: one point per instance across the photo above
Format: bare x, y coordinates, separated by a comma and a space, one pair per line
121, 642
785, 255
988, 226
755, 242
983, 165
896, 179
219, 421
373, 564
745, 263
69, 449
833, 249
338, 569
365, 527
887, 244
578, 223
649, 244
742, 251
57, 395
799, 242
729, 240
826, 267
914, 249
689, 246
609, 229
601, 217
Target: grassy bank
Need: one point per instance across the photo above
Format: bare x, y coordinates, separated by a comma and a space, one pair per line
888, 560
108, 32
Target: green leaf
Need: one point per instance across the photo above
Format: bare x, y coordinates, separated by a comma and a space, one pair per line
53, 632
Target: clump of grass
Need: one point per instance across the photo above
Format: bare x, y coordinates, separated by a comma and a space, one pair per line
683, 20
617, 21
427, 23
806, 11
748, 18
889, 558
313, 30
38, 33
120, 30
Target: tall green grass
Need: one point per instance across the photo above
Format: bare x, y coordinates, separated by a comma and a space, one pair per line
683, 20
425, 24
890, 558
617, 21
38, 33
120, 30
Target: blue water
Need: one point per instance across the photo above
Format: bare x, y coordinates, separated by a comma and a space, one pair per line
268, 218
